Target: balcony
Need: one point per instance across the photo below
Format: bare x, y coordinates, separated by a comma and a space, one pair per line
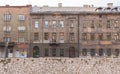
10, 44
53, 43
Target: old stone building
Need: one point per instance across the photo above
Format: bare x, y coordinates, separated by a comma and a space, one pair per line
74, 31
59, 31
14, 30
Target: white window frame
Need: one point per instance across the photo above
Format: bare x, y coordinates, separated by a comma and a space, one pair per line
61, 24
21, 17
36, 24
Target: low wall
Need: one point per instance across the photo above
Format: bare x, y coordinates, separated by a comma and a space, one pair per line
60, 66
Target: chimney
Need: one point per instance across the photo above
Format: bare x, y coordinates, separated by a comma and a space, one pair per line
59, 4
110, 4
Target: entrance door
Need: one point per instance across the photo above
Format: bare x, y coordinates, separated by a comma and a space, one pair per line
71, 52
36, 52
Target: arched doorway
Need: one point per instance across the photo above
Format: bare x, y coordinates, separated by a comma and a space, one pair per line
36, 52
72, 52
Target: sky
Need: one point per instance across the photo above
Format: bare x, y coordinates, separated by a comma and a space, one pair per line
55, 2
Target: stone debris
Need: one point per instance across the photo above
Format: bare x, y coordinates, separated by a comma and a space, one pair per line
61, 66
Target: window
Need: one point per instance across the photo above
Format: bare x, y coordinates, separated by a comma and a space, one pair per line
108, 23
84, 52
21, 17
7, 28
116, 24
54, 36
54, 52
72, 36
7, 39
92, 36
7, 17
61, 35
36, 24
62, 52
46, 24
117, 52
21, 39
92, 52
21, 28
108, 36
54, 24
100, 52
36, 36
100, 24
46, 36
100, 36
71, 24
108, 52
116, 36
92, 24
84, 36
84, 25
61, 24
46, 52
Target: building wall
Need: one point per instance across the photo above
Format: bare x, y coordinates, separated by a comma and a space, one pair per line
14, 23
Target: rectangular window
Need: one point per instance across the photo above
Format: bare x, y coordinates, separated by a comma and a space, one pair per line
54, 24
72, 36
92, 36
36, 36
7, 39
7, 28
100, 36
108, 36
54, 36
84, 25
7, 17
46, 36
53, 52
108, 23
116, 36
61, 35
61, 24
46, 24
62, 52
84, 36
21, 28
46, 52
36, 23
116, 24
21, 39
71, 23
100, 24
92, 24
21, 17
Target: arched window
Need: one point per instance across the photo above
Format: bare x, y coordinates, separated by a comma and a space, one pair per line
100, 52
84, 52
36, 52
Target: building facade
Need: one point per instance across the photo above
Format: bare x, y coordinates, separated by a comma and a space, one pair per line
14, 30
60, 31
